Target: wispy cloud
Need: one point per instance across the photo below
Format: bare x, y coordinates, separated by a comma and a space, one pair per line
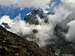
36, 3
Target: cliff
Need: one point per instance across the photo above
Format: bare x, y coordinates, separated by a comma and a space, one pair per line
13, 45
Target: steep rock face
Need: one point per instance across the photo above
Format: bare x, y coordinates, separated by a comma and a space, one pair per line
36, 16
13, 45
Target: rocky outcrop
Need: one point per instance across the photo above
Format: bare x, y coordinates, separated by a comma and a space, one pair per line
13, 45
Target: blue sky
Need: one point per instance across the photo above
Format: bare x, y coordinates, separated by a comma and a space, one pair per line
13, 11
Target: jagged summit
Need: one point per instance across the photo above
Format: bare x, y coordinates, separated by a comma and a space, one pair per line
36, 16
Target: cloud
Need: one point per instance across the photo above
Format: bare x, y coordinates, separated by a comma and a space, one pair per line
69, 5
70, 1
34, 3
7, 2
71, 33
6, 19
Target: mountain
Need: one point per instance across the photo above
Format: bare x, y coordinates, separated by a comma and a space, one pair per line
13, 45
36, 16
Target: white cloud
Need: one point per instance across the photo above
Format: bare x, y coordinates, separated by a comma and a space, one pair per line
34, 3
71, 33
70, 1
7, 2
69, 5
40, 2
6, 19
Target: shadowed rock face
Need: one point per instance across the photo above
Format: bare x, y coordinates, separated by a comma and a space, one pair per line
33, 19
13, 45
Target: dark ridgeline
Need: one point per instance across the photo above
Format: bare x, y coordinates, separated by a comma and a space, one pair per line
13, 45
